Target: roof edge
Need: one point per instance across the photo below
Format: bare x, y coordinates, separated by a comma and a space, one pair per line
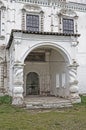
39, 33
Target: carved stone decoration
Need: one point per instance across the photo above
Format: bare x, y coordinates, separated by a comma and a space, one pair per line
18, 84
18, 96
2, 5
32, 7
67, 12
74, 95
18, 73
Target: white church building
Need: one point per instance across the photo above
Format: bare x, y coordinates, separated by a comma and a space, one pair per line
43, 49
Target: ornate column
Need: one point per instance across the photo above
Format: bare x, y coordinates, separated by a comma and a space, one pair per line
74, 95
18, 84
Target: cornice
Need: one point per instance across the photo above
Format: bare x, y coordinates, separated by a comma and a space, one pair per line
38, 33
69, 5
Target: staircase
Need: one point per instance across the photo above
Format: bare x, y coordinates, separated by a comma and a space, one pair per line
46, 102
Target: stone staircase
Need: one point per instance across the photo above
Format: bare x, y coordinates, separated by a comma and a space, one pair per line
46, 103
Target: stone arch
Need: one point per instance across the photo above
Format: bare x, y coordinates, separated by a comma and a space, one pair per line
57, 73
55, 46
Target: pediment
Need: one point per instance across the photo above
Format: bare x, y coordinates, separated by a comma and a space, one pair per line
32, 7
67, 12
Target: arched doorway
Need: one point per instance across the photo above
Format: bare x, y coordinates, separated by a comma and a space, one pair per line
32, 84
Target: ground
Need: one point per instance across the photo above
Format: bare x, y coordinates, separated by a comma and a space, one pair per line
13, 118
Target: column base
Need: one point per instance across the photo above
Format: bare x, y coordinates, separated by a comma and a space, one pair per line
75, 98
18, 101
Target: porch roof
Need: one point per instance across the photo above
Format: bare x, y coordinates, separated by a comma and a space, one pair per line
38, 33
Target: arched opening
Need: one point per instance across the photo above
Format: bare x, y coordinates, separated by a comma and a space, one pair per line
50, 64
32, 84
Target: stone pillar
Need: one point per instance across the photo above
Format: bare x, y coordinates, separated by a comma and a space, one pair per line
18, 84
74, 95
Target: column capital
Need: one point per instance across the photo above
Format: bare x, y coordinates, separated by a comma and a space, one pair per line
74, 65
18, 64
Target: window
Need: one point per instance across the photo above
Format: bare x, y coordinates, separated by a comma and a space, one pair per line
32, 23
68, 26
36, 56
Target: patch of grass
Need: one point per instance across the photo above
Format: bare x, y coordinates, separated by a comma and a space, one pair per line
83, 100
13, 118
5, 99
82, 104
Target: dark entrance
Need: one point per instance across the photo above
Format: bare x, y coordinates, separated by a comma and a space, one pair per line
32, 84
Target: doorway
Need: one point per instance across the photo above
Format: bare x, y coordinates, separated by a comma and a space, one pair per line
32, 84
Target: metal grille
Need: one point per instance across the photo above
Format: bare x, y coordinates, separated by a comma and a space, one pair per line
68, 26
32, 23
32, 84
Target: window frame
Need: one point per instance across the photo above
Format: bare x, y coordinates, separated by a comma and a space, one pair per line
2, 22
39, 13
32, 23
67, 30
67, 14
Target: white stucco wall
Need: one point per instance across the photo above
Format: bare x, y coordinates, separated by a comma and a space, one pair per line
12, 19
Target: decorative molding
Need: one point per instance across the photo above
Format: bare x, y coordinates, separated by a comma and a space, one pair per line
2, 6
2, 37
67, 5
67, 12
18, 73
74, 95
32, 9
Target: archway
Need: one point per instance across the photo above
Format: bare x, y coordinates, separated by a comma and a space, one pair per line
55, 46
50, 63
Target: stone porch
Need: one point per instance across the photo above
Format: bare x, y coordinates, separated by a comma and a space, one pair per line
41, 102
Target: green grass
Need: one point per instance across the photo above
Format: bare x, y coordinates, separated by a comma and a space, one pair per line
13, 118
5, 99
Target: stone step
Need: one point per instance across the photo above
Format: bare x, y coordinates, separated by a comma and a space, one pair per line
46, 105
